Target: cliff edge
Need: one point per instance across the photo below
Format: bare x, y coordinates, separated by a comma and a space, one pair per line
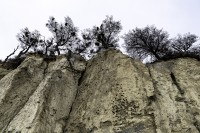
112, 94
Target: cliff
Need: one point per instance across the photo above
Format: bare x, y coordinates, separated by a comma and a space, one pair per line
111, 94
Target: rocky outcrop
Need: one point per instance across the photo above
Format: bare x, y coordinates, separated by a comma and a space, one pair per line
115, 94
37, 96
177, 95
121, 95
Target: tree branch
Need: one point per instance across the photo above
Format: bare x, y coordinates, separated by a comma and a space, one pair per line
10, 55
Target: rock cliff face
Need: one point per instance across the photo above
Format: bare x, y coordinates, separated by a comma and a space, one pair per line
114, 94
38, 95
3, 72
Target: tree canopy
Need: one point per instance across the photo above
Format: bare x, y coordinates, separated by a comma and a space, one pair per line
139, 42
102, 37
65, 35
148, 41
183, 43
28, 40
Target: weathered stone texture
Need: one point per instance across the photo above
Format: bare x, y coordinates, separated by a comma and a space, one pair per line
119, 94
3, 72
177, 92
37, 96
115, 94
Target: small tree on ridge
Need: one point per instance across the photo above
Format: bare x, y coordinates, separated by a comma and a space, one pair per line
148, 41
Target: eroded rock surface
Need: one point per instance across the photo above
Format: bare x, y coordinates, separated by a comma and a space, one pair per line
37, 96
177, 95
121, 95
115, 94
3, 72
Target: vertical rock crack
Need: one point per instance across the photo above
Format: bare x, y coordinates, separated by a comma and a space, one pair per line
174, 81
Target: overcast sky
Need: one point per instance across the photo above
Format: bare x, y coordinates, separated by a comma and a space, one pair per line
174, 16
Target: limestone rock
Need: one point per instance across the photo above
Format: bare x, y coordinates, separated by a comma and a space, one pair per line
113, 96
3, 72
121, 95
16, 88
177, 95
37, 96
